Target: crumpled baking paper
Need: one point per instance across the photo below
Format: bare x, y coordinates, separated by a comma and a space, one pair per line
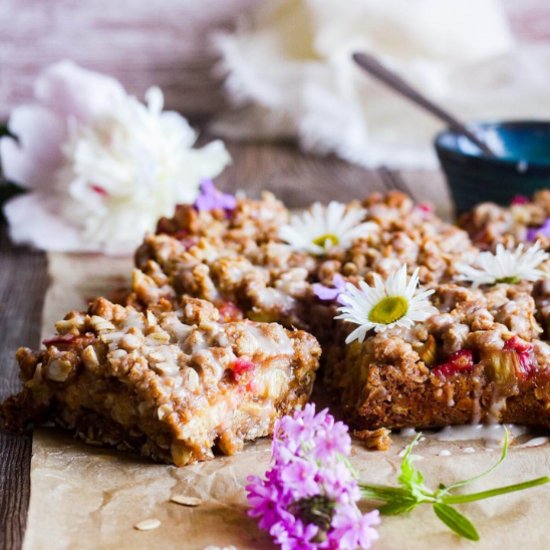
85, 497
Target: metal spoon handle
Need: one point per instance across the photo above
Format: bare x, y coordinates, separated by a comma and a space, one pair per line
396, 83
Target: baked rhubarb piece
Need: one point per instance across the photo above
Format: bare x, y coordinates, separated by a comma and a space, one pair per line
173, 386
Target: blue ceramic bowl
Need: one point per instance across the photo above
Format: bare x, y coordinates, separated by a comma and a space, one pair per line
522, 164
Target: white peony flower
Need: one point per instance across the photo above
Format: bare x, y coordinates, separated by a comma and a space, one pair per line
323, 228
505, 266
101, 167
394, 302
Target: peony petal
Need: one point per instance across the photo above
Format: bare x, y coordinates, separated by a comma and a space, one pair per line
209, 160
33, 220
74, 92
33, 158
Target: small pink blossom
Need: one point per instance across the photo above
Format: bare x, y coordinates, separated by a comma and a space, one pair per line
327, 293
533, 233
211, 198
308, 498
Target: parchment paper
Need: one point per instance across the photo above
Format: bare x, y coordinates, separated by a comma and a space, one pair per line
87, 497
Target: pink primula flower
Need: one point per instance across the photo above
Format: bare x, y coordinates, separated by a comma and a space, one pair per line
308, 497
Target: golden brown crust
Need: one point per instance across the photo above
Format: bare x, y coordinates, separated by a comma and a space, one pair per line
489, 224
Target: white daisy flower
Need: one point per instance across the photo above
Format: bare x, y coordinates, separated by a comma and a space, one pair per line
395, 302
321, 228
505, 266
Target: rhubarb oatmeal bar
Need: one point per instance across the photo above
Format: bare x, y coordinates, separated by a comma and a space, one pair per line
478, 358
171, 386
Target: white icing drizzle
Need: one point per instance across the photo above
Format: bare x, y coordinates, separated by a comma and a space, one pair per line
535, 442
491, 434
270, 346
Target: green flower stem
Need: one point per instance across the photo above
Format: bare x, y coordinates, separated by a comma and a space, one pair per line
412, 492
382, 492
460, 499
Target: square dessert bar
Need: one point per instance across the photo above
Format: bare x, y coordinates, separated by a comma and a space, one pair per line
171, 386
479, 359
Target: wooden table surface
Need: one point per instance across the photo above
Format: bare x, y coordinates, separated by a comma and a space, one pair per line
296, 178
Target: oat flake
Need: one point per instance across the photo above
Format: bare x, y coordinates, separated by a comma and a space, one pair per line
147, 524
184, 500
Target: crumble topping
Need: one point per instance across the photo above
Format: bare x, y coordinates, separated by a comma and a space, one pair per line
173, 385
204, 351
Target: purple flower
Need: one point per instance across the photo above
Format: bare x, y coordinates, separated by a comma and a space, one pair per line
328, 293
308, 498
542, 231
353, 529
211, 198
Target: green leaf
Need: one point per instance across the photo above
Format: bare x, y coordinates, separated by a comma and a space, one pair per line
398, 506
455, 521
410, 476
458, 499
400, 500
7, 189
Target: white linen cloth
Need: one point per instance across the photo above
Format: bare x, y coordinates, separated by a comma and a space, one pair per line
289, 70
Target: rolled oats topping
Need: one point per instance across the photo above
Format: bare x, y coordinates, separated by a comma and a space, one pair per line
524, 220
438, 325
454, 357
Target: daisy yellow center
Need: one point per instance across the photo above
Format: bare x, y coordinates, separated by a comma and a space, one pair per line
510, 280
328, 238
388, 310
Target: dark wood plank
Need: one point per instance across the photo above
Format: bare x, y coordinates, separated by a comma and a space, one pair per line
296, 178
299, 179
23, 281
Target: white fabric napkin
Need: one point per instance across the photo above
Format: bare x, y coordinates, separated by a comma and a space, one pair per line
289, 70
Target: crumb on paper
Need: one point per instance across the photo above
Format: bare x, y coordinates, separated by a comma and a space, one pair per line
378, 440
